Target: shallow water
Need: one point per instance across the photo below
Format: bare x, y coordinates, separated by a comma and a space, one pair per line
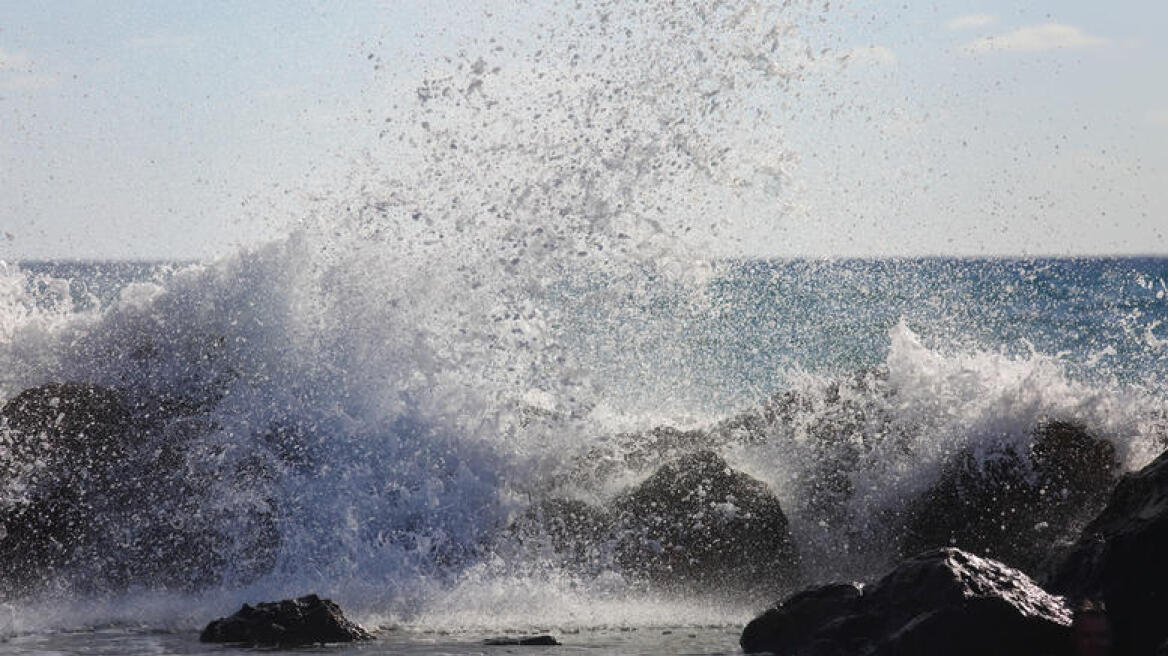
633, 642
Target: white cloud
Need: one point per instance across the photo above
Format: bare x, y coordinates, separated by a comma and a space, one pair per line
1050, 36
14, 62
971, 22
869, 56
1157, 117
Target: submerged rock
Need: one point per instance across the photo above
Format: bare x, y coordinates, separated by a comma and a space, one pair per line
696, 521
526, 641
307, 620
1015, 506
1120, 560
941, 602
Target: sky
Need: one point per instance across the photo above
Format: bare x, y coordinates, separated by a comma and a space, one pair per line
167, 130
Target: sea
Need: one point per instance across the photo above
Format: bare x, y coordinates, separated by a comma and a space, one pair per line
537, 257
419, 443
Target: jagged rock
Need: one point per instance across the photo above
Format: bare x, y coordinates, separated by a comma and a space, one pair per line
1015, 506
697, 521
526, 641
941, 602
307, 620
1120, 560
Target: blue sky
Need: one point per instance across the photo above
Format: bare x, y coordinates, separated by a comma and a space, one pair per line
178, 130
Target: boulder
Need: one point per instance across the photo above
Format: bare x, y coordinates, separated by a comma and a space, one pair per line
1011, 505
578, 532
307, 620
696, 522
1119, 560
941, 602
98, 494
63, 448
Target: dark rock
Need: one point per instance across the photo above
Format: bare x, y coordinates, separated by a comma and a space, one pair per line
941, 602
97, 494
694, 523
794, 624
528, 641
579, 532
1120, 560
62, 454
698, 522
1015, 506
75, 421
307, 620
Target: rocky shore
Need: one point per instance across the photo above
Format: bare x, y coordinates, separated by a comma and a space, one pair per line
1024, 547
1102, 594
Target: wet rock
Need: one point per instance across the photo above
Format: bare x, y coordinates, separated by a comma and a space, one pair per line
696, 521
526, 641
1015, 506
940, 602
75, 421
1119, 560
97, 494
307, 620
63, 448
636, 452
579, 532
795, 624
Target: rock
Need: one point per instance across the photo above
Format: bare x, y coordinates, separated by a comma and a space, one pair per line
579, 532
307, 620
694, 523
635, 452
796, 622
527, 641
97, 494
940, 602
75, 421
62, 455
697, 522
1014, 506
1119, 560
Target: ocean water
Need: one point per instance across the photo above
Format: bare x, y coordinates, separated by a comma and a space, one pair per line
527, 263
414, 453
